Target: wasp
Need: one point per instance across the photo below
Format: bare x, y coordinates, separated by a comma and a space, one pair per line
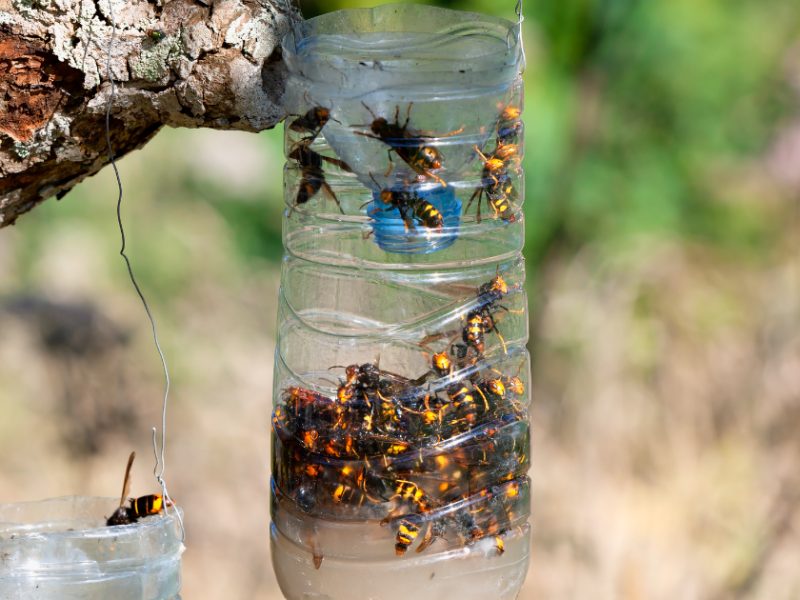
477, 323
489, 513
371, 484
305, 494
410, 491
407, 532
336, 445
410, 525
280, 419
312, 121
310, 439
463, 402
441, 364
498, 545
502, 387
492, 292
501, 197
468, 529
473, 334
430, 418
493, 168
139, 507
407, 144
358, 378
368, 486
496, 185
369, 378
312, 175
435, 531
496, 451
505, 152
376, 388
515, 385
346, 494
390, 446
302, 407
490, 389
410, 206
509, 126
148, 505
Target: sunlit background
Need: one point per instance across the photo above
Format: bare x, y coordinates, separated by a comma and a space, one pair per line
663, 215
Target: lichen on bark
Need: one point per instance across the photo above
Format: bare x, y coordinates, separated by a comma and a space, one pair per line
215, 64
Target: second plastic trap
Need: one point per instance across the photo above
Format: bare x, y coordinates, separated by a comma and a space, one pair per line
60, 549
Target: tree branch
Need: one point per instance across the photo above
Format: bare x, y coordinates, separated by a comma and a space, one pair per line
204, 63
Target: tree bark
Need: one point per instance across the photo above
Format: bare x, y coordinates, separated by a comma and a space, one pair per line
181, 63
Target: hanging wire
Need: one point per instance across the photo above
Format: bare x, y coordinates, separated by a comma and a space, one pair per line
159, 475
520, 19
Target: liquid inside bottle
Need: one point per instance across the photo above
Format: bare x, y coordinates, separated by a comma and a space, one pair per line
400, 435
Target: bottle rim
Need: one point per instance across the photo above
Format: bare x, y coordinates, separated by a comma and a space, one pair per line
66, 520
497, 48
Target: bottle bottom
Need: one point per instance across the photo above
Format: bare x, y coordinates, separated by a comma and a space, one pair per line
475, 572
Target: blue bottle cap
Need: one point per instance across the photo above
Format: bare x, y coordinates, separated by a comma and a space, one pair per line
392, 234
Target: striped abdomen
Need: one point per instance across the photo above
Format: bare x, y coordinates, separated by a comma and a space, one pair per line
430, 217
464, 403
406, 534
310, 184
473, 332
148, 505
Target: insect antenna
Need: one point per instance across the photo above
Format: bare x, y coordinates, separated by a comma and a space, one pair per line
374, 116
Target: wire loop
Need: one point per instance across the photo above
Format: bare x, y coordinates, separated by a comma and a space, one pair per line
159, 475
520, 19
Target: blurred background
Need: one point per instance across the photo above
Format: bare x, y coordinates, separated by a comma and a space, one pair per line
663, 218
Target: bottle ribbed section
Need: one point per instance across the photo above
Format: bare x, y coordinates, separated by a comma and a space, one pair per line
400, 434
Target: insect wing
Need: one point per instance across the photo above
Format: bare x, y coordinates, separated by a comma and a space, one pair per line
126, 484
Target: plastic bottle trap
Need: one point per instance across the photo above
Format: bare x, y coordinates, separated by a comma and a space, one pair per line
400, 425
62, 549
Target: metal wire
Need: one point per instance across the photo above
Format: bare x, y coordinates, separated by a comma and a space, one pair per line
158, 475
520, 19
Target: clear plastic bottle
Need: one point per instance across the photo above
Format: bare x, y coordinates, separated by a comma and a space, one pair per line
400, 424
61, 549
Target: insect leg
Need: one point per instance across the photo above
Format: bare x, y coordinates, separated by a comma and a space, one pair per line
329, 191
369, 135
426, 541
406, 219
372, 212
389, 154
429, 174
475, 193
485, 401
436, 137
516, 312
494, 328
339, 163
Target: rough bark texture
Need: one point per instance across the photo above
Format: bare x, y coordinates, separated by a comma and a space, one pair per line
182, 63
